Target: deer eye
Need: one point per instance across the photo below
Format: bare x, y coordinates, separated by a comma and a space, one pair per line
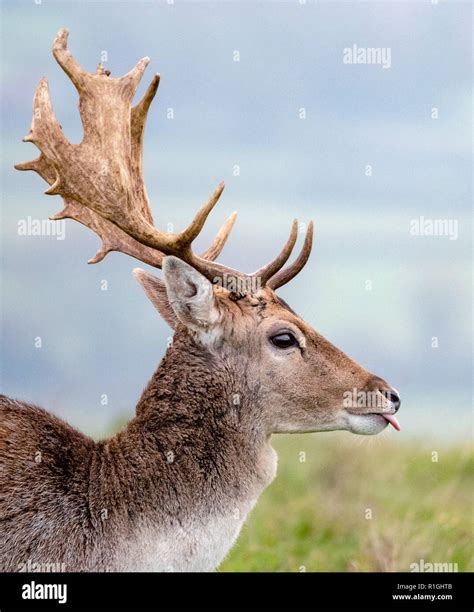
284, 341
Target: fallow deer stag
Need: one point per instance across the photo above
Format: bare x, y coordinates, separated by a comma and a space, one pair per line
172, 490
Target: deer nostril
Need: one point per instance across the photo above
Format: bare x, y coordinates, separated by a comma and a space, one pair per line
394, 398
375, 383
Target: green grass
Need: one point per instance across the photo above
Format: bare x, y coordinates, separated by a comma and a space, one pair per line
315, 515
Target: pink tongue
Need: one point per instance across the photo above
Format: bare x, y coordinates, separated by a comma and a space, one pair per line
392, 420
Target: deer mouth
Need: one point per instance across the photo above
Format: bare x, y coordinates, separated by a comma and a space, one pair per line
385, 419
371, 423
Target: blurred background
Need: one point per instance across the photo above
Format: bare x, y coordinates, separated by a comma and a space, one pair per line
371, 287
258, 95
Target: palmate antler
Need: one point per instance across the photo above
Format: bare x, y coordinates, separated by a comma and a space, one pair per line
101, 179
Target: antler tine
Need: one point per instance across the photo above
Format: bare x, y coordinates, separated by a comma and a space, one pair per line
131, 80
216, 247
45, 128
65, 59
265, 273
140, 110
40, 165
138, 118
284, 276
192, 231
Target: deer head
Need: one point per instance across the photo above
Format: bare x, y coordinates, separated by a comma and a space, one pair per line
299, 381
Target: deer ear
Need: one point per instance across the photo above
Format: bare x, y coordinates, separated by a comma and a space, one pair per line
155, 289
190, 294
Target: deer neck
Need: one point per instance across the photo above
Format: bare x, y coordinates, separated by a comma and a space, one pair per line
202, 416
196, 452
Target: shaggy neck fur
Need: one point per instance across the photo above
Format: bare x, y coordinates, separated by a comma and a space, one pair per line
196, 448
196, 418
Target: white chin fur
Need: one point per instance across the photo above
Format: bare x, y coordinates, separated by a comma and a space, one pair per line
367, 425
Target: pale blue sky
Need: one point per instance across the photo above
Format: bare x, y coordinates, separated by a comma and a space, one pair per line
246, 113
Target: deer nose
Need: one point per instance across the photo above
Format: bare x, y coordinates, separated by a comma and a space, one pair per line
378, 384
394, 398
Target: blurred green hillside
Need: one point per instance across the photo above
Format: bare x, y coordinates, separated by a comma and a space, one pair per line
313, 516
